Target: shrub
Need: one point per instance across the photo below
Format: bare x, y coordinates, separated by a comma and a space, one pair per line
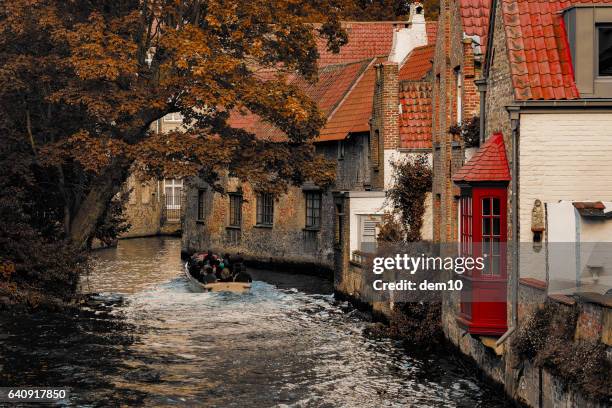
412, 181
547, 339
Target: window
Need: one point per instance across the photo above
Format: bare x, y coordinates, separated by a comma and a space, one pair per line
339, 224
235, 203
589, 40
341, 150
459, 94
201, 204
483, 218
313, 209
174, 117
605, 50
367, 240
491, 230
466, 238
265, 209
173, 192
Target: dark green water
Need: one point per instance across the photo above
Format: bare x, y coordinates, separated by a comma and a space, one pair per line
148, 338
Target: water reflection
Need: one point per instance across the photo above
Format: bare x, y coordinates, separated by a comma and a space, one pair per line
152, 339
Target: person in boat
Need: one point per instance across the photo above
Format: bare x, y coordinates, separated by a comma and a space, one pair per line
226, 274
209, 275
208, 257
242, 275
195, 268
226, 260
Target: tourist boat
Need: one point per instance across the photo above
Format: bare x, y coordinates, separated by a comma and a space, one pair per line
235, 287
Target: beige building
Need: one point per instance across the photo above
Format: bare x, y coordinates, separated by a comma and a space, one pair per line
155, 207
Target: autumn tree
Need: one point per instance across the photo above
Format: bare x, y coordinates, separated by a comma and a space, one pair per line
380, 10
81, 82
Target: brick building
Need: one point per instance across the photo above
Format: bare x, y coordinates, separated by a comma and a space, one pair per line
462, 35
302, 227
155, 207
534, 198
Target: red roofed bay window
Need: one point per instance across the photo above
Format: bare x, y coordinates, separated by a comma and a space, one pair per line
483, 235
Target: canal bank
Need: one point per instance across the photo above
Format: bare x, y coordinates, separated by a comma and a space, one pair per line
146, 338
556, 358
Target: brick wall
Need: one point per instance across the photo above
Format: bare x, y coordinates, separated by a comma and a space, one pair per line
453, 54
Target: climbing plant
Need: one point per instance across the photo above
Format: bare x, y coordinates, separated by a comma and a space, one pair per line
412, 179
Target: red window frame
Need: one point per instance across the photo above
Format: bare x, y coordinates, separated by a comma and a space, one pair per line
483, 222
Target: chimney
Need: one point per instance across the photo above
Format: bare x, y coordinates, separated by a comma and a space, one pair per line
410, 34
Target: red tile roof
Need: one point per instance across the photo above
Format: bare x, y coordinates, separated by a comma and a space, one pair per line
329, 91
354, 112
488, 164
475, 18
416, 115
367, 40
538, 50
418, 63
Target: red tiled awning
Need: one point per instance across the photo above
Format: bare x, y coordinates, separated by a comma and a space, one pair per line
488, 164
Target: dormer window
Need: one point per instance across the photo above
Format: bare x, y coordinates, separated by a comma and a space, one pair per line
589, 35
604, 48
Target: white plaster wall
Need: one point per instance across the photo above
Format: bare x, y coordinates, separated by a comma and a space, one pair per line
563, 157
575, 244
363, 203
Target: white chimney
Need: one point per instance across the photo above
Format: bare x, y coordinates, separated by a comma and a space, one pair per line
410, 34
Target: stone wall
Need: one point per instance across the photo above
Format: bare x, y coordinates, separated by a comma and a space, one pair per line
287, 241
144, 207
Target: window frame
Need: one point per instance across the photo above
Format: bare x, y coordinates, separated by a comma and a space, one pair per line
235, 210
483, 299
201, 204
264, 209
459, 95
596, 51
313, 220
173, 118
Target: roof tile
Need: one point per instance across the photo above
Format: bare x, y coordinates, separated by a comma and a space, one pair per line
535, 33
416, 115
488, 164
418, 63
475, 18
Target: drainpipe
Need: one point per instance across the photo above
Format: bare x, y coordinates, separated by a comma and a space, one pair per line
481, 84
514, 112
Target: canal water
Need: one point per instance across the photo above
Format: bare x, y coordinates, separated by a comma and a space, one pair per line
147, 337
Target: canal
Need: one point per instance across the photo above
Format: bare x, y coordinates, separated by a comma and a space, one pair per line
145, 337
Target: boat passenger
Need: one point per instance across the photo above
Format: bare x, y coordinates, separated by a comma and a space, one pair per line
209, 276
226, 260
243, 276
208, 257
226, 274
